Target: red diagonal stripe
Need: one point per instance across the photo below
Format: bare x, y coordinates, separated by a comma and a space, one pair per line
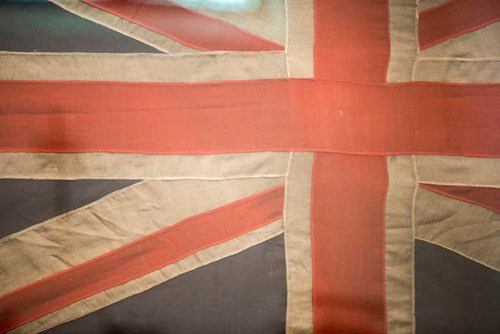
139, 258
486, 197
186, 26
454, 18
275, 115
347, 229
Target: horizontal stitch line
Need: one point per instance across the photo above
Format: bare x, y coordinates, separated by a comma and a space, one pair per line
152, 55
479, 59
293, 149
444, 183
29, 176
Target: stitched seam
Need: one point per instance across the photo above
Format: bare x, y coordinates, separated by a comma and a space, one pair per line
222, 82
461, 184
413, 225
285, 226
415, 168
417, 43
48, 175
388, 60
311, 222
263, 149
287, 22
478, 59
179, 40
384, 248
459, 198
203, 54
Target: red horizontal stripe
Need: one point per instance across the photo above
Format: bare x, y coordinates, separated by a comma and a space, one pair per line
347, 228
186, 26
243, 116
139, 258
351, 40
486, 197
455, 18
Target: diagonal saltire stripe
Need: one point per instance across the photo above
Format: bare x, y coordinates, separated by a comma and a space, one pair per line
244, 293
465, 228
454, 18
265, 18
141, 284
186, 26
112, 222
456, 170
488, 198
479, 45
140, 257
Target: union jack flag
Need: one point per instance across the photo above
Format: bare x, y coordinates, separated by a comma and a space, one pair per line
249, 166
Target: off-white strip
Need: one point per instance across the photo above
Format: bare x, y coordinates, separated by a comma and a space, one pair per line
454, 170
111, 222
399, 244
68, 166
458, 71
463, 227
120, 292
266, 19
203, 66
299, 318
300, 38
481, 43
403, 36
123, 26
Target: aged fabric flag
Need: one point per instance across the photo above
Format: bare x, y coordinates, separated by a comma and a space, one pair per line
250, 166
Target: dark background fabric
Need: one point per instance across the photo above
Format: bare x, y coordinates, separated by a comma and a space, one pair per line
243, 293
454, 294
41, 26
24, 203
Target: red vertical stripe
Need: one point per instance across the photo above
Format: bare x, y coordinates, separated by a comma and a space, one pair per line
186, 26
139, 258
352, 40
454, 18
348, 201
